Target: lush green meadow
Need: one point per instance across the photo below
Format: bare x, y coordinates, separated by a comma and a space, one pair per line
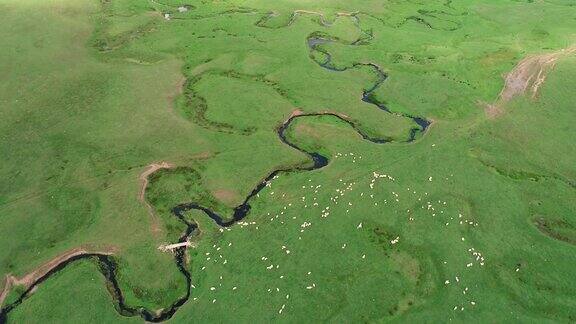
472, 221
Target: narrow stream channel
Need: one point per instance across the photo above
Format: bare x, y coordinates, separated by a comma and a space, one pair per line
108, 265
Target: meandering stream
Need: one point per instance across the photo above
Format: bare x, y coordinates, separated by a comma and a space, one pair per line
107, 263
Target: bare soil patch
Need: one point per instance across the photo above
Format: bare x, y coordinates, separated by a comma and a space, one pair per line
526, 78
296, 112
492, 111
530, 73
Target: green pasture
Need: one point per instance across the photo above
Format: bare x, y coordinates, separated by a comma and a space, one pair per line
474, 221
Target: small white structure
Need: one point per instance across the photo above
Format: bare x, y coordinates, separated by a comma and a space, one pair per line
172, 247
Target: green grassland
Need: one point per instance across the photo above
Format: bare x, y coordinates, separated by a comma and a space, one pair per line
84, 300
474, 220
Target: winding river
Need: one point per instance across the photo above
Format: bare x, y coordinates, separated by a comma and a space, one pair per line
108, 264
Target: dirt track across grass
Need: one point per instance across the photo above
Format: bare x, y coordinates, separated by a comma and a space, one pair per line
29, 279
141, 194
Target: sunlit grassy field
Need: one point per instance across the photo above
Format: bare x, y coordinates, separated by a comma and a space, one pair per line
474, 220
